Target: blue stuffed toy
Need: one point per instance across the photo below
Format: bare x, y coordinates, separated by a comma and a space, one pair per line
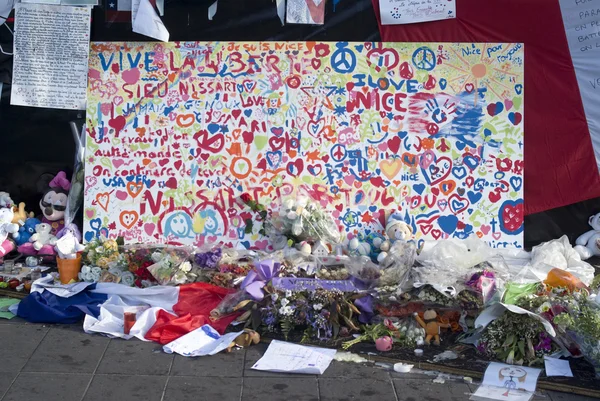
26, 231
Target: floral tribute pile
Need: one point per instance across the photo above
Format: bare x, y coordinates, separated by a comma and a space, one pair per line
372, 288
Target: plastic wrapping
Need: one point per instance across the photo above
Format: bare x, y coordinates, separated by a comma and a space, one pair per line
208, 258
398, 264
304, 220
75, 196
365, 271
171, 265
559, 253
229, 304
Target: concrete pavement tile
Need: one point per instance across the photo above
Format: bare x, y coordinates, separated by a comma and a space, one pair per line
356, 389
48, 387
417, 390
280, 389
203, 389
253, 354
67, 351
558, 396
130, 388
6, 379
353, 370
222, 364
21, 341
135, 357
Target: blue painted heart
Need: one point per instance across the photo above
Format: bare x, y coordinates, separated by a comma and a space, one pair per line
246, 244
448, 223
213, 128
274, 158
419, 188
516, 183
372, 209
359, 48
471, 162
248, 112
443, 83
89, 235
240, 88
474, 197
460, 145
515, 118
459, 172
518, 89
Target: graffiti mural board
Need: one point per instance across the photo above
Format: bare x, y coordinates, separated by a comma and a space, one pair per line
178, 131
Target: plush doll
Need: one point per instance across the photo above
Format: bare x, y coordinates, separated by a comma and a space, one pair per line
6, 227
588, 244
54, 202
245, 339
358, 246
431, 326
26, 231
396, 230
20, 215
305, 248
5, 200
43, 241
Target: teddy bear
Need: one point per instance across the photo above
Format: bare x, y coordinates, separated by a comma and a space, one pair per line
40, 243
397, 230
588, 244
431, 326
26, 231
7, 227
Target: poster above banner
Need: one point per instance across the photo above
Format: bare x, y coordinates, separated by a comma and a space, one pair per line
178, 131
395, 12
582, 24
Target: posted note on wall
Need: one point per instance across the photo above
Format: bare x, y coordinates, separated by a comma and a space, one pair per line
582, 24
51, 49
411, 11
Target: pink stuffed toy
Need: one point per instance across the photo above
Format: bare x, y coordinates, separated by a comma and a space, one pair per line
7, 227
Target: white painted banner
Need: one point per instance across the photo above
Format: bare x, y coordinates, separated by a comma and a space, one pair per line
582, 24
395, 12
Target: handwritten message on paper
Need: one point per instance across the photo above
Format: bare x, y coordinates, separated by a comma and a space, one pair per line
178, 131
582, 24
51, 49
394, 12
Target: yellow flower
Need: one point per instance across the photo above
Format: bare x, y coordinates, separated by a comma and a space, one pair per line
111, 245
103, 262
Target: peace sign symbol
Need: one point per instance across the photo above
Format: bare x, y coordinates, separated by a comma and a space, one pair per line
338, 152
343, 60
424, 59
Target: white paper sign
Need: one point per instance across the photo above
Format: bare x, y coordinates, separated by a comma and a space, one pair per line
557, 367
51, 49
147, 22
582, 24
507, 382
395, 12
292, 358
203, 341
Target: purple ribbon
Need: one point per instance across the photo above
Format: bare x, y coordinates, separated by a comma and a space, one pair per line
258, 277
312, 284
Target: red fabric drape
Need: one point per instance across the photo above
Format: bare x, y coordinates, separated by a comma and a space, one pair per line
560, 167
193, 310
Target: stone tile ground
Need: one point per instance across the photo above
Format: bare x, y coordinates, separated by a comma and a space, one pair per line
61, 363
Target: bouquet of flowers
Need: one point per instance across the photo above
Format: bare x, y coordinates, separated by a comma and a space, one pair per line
302, 220
228, 274
209, 259
102, 252
139, 258
516, 339
171, 265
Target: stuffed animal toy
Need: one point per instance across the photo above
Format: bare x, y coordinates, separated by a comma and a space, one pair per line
54, 202
5, 200
26, 231
43, 241
588, 244
358, 246
245, 339
431, 326
396, 230
68, 246
305, 248
20, 215
6, 227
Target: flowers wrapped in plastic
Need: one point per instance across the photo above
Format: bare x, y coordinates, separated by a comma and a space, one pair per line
364, 271
171, 265
231, 303
102, 252
303, 219
398, 263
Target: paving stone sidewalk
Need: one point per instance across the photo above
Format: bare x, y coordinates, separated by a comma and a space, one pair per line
62, 363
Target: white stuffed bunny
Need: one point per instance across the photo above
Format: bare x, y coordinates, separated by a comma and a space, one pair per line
588, 244
7, 227
42, 236
5, 200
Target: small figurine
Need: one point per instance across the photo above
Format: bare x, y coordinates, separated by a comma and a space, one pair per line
431, 326
320, 250
245, 339
384, 343
588, 244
